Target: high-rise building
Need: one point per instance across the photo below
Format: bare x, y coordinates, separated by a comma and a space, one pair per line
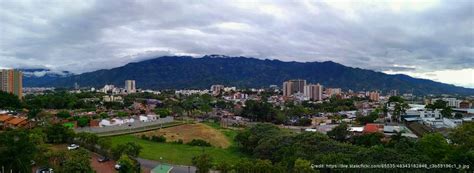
374, 96
293, 86
11, 81
130, 86
314, 92
333, 91
216, 89
393, 93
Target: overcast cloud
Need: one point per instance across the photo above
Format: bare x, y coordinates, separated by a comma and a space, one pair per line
428, 39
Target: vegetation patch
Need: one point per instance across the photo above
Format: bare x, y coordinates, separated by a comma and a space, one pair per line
189, 132
177, 153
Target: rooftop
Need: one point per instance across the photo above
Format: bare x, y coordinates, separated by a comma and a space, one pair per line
373, 128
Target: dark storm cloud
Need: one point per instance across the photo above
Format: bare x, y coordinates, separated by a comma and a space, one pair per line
87, 35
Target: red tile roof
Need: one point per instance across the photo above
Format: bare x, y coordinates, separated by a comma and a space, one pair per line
16, 121
373, 128
4, 118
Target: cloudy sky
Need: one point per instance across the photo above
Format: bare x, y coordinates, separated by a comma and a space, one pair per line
427, 39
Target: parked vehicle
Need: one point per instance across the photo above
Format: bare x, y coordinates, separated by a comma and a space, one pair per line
103, 159
44, 170
72, 147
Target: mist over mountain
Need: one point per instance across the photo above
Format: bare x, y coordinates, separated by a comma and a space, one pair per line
41, 76
179, 72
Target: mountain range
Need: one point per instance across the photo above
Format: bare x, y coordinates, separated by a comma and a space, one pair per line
41, 76
179, 72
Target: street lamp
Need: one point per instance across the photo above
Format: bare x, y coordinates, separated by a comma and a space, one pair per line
161, 163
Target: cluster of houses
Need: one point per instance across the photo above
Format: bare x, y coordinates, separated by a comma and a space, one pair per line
9, 120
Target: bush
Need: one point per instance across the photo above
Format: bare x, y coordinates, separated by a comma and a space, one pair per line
303, 122
199, 142
145, 137
158, 138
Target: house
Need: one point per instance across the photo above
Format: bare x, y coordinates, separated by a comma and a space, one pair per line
94, 123
104, 122
116, 121
152, 117
356, 129
129, 120
143, 118
3, 119
16, 122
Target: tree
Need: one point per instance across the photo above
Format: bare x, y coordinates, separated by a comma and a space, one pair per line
105, 145
78, 161
399, 109
33, 113
202, 162
122, 114
303, 166
17, 150
223, 166
396, 99
83, 121
131, 149
369, 118
447, 112
434, 146
162, 112
368, 140
88, 140
438, 104
103, 115
9, 101
127, 165
463, 135
251, 137
339, 132
263, 166
58, 133
304, 122
63, 114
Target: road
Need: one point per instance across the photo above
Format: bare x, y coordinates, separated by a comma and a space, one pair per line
150, 164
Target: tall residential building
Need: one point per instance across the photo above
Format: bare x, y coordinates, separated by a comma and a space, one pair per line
216, 89
374, 96
11, 81
130, 86
393, 93
293, 86
333, 91
314, 92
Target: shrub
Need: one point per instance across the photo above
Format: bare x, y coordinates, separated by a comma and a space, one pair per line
199, 142
145, 137
158, 138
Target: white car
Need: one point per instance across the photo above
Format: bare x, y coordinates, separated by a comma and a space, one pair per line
117, 166
72, 147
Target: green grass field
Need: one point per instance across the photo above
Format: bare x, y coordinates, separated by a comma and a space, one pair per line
181, 153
